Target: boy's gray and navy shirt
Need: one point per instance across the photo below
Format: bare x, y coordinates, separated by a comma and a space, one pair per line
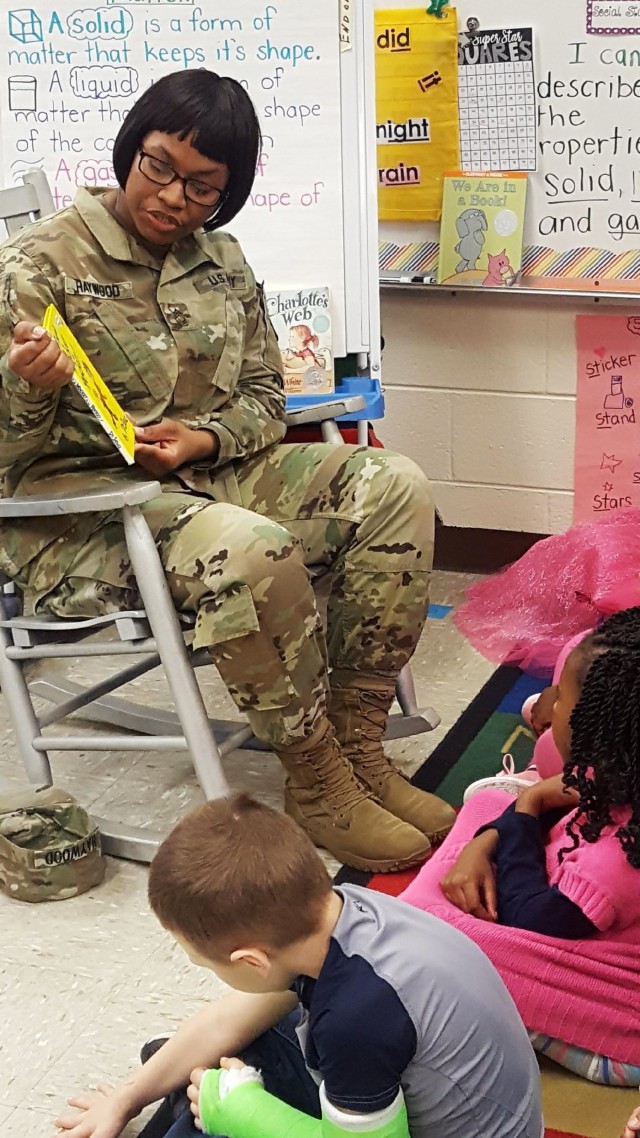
405, 1000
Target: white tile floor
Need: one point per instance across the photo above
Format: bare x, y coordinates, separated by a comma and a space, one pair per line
84, 982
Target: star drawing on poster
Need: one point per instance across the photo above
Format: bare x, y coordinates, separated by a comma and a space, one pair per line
610, 462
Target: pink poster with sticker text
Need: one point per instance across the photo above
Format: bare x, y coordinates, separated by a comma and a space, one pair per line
607, 468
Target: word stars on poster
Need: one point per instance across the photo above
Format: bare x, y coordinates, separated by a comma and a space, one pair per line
607, 465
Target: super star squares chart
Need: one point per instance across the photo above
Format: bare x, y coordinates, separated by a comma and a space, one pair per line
497, 100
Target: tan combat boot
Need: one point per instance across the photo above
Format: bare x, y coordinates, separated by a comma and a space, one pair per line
359, 709
323, 796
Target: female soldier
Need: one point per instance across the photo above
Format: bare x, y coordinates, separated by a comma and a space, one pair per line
165, 305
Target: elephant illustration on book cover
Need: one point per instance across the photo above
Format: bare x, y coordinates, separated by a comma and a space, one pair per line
472, 227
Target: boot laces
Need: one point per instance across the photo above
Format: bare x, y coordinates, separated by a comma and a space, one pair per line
334, 773
370, 758
367, 748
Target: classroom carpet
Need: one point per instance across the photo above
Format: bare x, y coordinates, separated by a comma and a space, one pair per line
489, 728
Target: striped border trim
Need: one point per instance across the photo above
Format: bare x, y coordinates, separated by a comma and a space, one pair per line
421, 258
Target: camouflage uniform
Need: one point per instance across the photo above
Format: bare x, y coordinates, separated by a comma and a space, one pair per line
188, 338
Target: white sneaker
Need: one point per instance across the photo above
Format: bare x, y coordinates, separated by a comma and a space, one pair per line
506, 779
528, 706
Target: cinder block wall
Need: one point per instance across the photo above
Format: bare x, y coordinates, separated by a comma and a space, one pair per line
481, 393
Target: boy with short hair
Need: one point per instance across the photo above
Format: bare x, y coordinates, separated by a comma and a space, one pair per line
404, 1028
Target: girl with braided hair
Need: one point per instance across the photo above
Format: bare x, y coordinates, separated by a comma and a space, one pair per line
549, 887
537, 712
601, 737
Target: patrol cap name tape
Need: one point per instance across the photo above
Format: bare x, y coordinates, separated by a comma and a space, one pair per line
49, 847
69, 853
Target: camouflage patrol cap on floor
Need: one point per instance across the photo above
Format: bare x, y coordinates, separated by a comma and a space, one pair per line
49, 847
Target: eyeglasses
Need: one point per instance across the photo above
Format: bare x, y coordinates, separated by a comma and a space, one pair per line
200, 193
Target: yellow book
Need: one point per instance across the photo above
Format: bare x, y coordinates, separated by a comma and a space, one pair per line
92, 387
482, 229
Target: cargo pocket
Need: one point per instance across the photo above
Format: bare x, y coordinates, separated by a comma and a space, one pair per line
212, 347
136, 360
147, 345
246, 657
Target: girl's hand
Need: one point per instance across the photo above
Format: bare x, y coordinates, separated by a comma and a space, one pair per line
169, 444
36, 358
549, 794
470, 884
633, 1125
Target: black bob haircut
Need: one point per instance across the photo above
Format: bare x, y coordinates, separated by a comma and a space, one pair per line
219, 114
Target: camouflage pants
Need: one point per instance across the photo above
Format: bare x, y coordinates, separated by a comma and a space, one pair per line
361, 516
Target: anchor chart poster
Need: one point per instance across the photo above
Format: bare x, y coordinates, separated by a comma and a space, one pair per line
607, 467
70, 70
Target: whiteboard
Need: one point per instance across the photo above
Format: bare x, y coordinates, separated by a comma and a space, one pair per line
72, 69
582, 228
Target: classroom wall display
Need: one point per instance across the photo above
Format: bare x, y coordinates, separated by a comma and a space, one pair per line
71, 69
417, 111
302, 322
620, 18
582, 228
607, 463
497, 100
481, 231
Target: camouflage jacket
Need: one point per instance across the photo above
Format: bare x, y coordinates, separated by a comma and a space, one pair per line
186, 338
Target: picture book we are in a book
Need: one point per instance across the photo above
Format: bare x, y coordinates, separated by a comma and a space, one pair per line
92, 387
302, 322
482, 229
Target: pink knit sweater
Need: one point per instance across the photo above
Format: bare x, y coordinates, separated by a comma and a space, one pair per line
584, 992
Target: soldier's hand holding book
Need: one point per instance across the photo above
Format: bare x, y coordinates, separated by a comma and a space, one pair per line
37, 359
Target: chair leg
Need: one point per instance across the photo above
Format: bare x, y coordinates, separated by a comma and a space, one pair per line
23, 717
331, 433
414, 720
166, 630
406, 692
130, 842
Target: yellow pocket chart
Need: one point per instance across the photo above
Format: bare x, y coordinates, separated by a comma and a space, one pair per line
92, 387
417, 110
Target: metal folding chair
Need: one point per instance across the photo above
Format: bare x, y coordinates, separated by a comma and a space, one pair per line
155, 633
